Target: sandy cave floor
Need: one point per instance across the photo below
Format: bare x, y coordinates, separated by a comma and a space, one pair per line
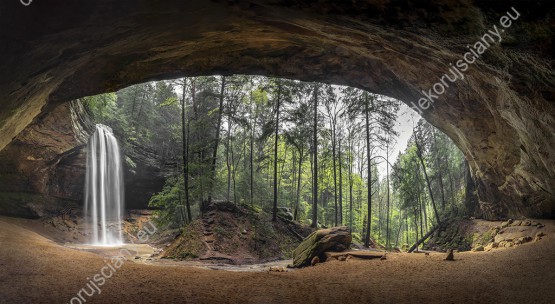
34, 269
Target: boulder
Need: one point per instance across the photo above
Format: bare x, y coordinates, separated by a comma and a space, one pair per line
517, 223
491, 245
522, 240
277, 269
450, 255
506, 224
285, 213
319, 242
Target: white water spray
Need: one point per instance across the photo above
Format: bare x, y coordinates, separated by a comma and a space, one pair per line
104, 188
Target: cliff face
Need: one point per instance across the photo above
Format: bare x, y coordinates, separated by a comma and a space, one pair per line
43, 169
501, 115
144, 177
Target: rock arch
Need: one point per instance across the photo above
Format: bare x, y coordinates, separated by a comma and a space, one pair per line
501, 115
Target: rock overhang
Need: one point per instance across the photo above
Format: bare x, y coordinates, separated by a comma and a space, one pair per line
501, 115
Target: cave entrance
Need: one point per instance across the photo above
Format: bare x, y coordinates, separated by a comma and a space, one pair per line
223, 128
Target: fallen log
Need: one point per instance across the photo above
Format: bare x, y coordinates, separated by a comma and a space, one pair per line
288, 225
427, 235
354, 254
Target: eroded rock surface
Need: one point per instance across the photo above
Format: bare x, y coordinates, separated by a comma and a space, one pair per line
319, 242
501, 115
42, 171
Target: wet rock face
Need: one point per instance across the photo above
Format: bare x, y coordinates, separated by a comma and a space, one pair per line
501, 114
145, 177
42, 171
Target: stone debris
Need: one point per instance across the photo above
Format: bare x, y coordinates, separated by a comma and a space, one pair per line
277, 269
485, 236
514, 233
539, 236
315, 260
491, 245
506, 224
450, 256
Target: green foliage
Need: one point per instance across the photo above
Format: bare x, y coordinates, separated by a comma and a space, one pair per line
170, 209
149, 116
444, 165
145, 115
102, 106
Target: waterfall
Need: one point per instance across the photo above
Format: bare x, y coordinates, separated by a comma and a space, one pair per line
104, 188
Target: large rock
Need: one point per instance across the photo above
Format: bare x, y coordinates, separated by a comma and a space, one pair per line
319, 242
501, 115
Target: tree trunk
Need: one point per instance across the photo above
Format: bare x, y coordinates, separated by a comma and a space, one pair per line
421, 240
369, 188
315, 165
419, 200
387, 242
217, 141
350, 186
234, 169
340, 185
424, 208
407, 227
334, 174
251, 182
416, 227
440, 174
380, 215
296, 213
400, 226
274, 210
227, 159
419, 154
292, 188
185, 154
282, 168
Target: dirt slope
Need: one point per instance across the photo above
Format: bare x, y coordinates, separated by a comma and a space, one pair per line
237, 235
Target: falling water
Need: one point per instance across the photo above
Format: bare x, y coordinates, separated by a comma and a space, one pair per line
104, 187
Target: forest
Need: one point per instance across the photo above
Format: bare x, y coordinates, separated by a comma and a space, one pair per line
314, 148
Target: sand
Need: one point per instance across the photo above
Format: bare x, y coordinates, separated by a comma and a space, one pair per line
34, 269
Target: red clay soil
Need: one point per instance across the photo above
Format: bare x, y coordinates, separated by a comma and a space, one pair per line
34, 269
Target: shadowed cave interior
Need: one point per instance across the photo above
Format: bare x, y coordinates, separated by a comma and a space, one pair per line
221, 110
